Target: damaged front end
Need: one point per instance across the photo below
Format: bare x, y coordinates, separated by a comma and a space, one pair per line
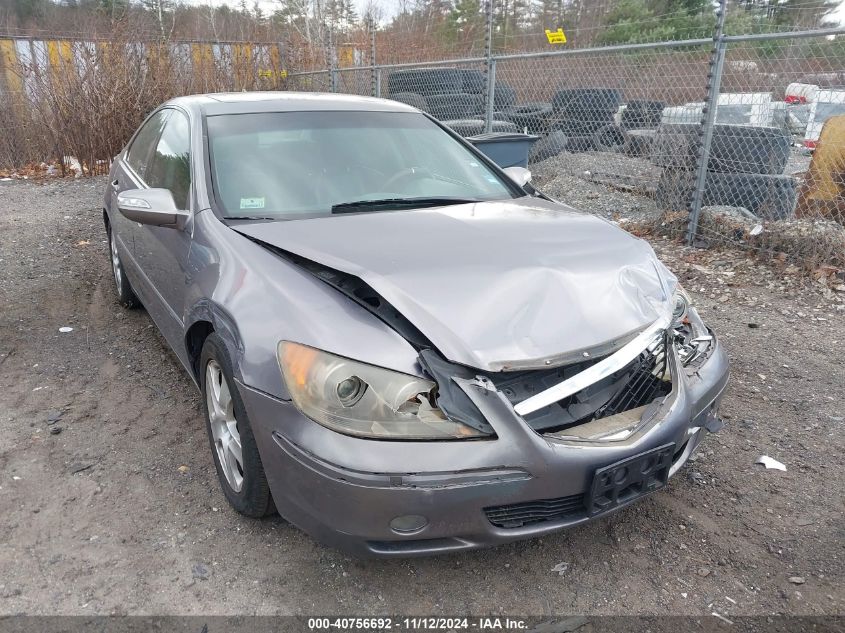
607, 394
471, 455
597, 399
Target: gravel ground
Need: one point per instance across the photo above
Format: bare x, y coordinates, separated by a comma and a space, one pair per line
607, 184
612, 184
110, 502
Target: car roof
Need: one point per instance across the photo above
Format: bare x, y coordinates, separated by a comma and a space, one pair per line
250, 102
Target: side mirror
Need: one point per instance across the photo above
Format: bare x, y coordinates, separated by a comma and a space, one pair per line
520, 175
154, 207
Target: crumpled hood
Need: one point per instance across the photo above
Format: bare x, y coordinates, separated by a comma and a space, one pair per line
495, 285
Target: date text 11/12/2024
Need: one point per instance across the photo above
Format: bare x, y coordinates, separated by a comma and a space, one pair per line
416, 624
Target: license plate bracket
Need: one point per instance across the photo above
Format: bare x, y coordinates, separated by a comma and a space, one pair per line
620, 483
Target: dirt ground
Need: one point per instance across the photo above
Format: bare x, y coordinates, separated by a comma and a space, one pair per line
109, 502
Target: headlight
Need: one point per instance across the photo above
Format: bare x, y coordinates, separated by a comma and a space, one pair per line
682, 305
364, 400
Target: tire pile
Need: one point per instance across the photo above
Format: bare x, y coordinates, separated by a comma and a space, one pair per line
454, 96
583, 119
745, 169
746, 163
577, 119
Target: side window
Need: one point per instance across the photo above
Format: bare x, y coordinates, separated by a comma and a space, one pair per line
139, 152
170, 166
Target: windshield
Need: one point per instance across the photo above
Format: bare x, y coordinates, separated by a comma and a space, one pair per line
289, 165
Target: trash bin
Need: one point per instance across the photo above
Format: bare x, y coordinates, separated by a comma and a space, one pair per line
506, 149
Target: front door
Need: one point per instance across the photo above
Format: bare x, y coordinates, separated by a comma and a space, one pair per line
162, 253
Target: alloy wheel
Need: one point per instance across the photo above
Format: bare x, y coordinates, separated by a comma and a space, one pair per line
224, 426
115, 261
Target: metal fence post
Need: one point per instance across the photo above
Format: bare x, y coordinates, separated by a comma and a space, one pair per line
490, 101
374, 74
377, 88
331, 59
714, 78
490, 88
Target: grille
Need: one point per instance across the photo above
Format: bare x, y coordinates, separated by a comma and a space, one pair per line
645, 382
639, 383
530, 512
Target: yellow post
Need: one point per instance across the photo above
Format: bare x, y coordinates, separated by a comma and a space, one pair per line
9, 64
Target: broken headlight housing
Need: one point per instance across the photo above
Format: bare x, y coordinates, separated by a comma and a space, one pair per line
363, 400
692, 338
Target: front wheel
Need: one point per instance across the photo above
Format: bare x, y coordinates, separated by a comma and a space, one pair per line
233, 447
125, 294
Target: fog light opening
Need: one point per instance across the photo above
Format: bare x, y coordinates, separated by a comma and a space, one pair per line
408, 523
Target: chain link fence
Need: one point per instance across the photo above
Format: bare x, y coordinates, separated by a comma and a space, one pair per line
733, 140
728, 140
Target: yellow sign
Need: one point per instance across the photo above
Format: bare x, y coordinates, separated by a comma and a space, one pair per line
556, 37
269, 74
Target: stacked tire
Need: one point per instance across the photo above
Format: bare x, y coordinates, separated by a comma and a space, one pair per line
586, 117
454, 96
448, 94
638, 125
532, 117
473, 127
640, 114
745, 169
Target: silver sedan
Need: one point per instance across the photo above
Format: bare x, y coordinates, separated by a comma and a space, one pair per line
402, 348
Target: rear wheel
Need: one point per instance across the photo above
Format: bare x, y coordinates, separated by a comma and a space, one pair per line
125, 294
233, 447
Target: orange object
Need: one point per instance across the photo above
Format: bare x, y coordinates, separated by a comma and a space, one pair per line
823, 193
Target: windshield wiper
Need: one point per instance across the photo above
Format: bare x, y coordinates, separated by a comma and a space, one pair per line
399, 203
250, 217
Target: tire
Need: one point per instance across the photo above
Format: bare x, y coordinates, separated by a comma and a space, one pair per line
125, 295
749, 150
412, 99
453, 106
466, 127
503, 96
552, 145
425, 81
598, 117
472, 81
641, 114
579, 134
252, 497
534, 116
735, 149
570, 102
674, 145
639, 143
471, 127
574, 127
769, 197
608, 139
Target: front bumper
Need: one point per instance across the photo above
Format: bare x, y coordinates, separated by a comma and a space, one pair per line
344, 491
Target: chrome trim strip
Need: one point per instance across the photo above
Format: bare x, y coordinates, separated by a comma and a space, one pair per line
594, 373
